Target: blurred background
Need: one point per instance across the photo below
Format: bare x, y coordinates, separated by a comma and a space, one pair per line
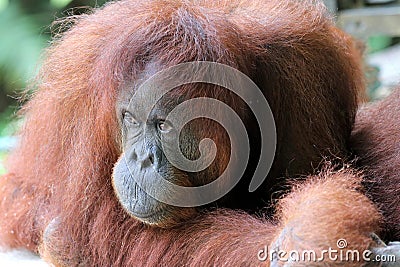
25, 30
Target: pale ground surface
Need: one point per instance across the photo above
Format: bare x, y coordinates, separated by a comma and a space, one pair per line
19, 258
389, 63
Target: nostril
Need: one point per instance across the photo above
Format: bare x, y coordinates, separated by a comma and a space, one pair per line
134, 156
146, 160
151, 158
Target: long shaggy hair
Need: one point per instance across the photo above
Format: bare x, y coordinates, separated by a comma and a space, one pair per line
60, 173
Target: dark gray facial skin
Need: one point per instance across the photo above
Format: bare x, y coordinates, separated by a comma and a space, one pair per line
144, 159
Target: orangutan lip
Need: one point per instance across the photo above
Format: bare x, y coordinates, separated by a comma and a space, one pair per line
148, 215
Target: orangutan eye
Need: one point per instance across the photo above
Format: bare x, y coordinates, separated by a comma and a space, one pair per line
164, 126
129, 118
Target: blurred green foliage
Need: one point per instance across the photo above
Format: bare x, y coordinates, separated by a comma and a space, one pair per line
2, 157
20, 44
24, 32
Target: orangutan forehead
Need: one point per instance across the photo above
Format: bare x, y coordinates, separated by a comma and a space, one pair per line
174, 96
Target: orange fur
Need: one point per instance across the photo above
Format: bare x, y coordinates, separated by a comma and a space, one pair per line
325, 209
61, 170
375, 141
